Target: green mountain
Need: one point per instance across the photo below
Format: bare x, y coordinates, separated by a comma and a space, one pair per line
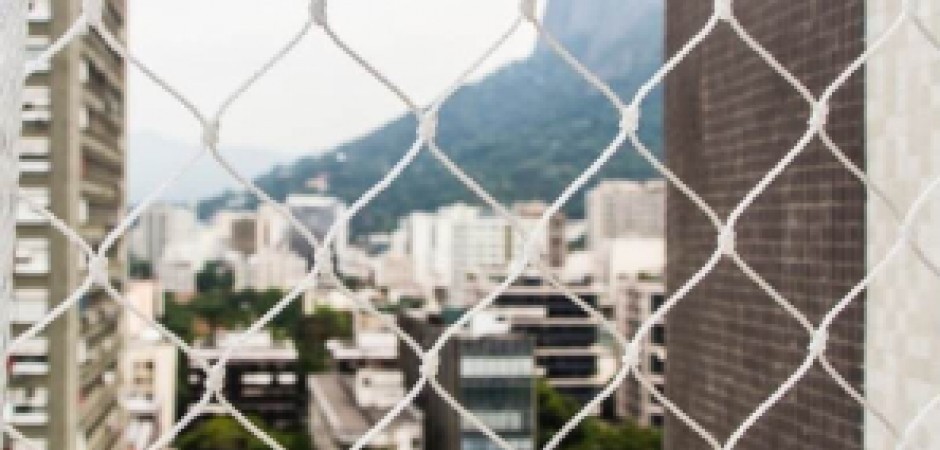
524, 132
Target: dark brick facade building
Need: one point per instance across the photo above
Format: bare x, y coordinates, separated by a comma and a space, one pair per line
729, 119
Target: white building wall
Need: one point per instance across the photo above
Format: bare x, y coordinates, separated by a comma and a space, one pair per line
148, 365
902, 368
159, 227
273, 229
618, 208
271, 269
419, 229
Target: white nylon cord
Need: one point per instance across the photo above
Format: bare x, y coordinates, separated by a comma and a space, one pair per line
630, 112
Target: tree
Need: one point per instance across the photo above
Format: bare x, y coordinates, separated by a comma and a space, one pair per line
225, 433
314, 330
215, 310
215, 276
554, 411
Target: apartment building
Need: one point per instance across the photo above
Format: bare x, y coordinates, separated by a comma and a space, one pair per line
622, 208
345, 407
158, 228
569, 347
632, 270
261, 379
459, 240
63, 384
553, 247
730, 118
488, 368
148, 369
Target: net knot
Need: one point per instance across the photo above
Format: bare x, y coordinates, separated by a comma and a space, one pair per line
427, 126
318, 12
215, 379
817, 344
631, 355
98, 269
727, 240
529, 9
819, 115
431, 366
723, 10
630, 118
210, 134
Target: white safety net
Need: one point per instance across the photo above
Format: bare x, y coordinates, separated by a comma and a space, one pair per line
14, 69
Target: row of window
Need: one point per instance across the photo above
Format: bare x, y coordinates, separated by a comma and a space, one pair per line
482, 367
500, 421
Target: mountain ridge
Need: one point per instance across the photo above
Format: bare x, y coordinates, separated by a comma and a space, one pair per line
523, 132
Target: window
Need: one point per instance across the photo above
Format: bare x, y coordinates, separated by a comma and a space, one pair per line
657, 420
40, 11
32, 256
657, 365
36, 103
257, 378
38, 196
34, 146
287, 378
496, 367
657, 301
659, 334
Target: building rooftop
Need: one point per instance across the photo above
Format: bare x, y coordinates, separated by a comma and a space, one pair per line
258, 346
333, 396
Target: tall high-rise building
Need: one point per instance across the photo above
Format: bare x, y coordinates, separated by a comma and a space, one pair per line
64, 384
730, 118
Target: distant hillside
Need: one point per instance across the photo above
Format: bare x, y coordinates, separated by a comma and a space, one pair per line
151, 157
523, 132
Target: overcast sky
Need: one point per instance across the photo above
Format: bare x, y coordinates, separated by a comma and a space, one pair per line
316, 97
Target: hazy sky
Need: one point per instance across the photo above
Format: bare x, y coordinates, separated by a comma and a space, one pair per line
316, 97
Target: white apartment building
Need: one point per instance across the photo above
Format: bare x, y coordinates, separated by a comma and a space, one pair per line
158, 228
148, 368
269, 268
617, 208
632, 268
418, 231
459, 240
273, 229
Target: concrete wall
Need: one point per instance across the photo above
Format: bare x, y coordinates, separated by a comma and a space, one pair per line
902, 368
